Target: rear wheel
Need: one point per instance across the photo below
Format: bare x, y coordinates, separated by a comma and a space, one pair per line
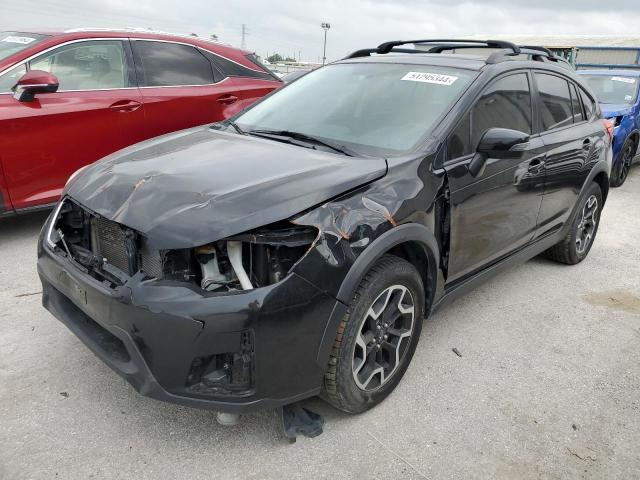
377, 337
621, 170
576, 245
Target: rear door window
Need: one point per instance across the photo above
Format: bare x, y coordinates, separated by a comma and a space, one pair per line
171, 64
556, 108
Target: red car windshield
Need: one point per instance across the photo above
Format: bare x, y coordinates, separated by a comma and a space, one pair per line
14, 42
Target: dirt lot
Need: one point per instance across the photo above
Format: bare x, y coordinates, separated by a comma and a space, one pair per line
548, 386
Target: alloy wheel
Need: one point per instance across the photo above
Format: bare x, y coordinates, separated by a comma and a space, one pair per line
383, 337
587, 225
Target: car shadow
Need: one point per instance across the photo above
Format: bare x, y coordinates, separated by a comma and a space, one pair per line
21, 226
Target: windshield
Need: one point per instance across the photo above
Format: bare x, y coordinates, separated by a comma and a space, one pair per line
14, 42
613, 89
373, 108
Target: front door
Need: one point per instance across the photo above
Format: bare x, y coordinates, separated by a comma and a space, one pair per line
496, 212
95, 112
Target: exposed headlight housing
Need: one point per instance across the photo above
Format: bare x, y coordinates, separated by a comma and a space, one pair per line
254, 259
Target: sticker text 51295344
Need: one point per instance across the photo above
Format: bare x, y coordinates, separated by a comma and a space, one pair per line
426, 77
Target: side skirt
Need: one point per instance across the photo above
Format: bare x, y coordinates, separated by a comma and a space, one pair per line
517, 258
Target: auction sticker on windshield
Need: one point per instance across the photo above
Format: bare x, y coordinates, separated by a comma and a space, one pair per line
436, 78
623, 79
21, 40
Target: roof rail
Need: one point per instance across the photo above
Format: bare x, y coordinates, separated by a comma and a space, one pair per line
388, 47
537, 52
139, 30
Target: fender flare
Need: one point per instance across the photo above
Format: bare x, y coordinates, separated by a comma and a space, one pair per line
409, 232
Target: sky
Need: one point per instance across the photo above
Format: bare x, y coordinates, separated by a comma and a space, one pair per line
292, 27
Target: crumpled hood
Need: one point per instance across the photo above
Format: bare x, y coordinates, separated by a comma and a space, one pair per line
611, 110
199, 185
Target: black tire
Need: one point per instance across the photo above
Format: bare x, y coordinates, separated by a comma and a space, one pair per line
383, 283
623, 165
569, 250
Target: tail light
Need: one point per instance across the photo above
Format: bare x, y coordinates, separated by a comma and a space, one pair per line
609, 126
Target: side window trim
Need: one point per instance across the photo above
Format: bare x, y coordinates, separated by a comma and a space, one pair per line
583, 93
573, 88
472, 104
140, 70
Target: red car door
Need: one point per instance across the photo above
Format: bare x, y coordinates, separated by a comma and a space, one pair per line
96, 111
179, 86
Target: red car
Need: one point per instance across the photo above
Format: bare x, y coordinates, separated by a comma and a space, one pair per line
70, 98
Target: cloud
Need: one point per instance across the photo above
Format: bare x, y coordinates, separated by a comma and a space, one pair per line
292, 26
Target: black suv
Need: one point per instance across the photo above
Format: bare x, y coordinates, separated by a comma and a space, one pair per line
295, 249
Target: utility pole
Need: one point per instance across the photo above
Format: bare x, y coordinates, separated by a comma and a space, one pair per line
325, 26
299, 55
244, 37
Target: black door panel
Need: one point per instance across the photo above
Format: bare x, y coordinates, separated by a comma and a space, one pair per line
572, 153
496, 213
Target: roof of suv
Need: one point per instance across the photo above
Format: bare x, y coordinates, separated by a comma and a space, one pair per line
431, 53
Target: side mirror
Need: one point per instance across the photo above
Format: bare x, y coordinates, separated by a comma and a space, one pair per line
33, 82
497, 143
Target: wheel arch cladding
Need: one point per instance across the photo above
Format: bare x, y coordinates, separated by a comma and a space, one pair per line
602, 179
412, 242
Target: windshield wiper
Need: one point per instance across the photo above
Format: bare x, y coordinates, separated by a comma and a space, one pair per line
226, 123
288, 135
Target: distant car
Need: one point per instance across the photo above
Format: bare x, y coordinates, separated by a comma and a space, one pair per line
70, 98
617, 92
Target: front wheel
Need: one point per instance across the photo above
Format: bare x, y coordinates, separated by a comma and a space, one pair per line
576, 245
622, 167
377, 337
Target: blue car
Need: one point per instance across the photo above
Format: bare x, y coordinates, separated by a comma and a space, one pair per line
617, 92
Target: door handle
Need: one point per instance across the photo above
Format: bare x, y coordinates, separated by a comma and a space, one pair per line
227, 99
125, 106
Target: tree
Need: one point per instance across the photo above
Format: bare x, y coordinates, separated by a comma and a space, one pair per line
275, 58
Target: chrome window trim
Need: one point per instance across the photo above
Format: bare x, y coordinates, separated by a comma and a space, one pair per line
27, 60
132, 88
196, 47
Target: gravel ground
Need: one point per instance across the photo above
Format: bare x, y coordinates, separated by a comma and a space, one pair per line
548, 386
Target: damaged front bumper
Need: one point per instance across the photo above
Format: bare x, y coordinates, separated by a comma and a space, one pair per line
232, 352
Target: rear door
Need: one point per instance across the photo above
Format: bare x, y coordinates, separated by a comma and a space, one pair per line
574, 138
180, 87
96, 111
496, 212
